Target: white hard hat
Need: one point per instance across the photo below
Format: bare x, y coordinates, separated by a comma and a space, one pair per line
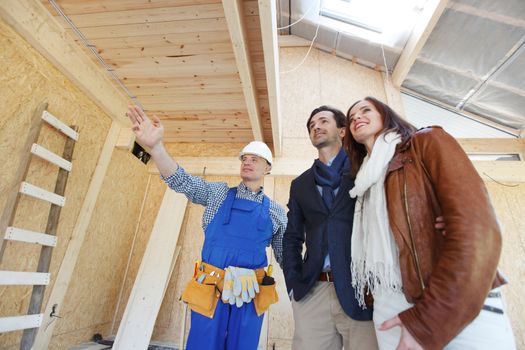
259, 149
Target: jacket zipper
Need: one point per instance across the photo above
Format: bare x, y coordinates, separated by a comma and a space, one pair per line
416, 258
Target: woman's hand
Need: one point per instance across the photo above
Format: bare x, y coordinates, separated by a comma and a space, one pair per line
407, 341
148, 132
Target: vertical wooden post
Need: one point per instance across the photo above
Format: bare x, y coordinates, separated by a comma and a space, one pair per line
153, 276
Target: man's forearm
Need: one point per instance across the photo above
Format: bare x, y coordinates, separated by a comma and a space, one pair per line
164, 162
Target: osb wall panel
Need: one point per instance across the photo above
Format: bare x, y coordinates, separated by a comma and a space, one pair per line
94, 289
27, 79
509, 203
280, 319
323, 79
152, 201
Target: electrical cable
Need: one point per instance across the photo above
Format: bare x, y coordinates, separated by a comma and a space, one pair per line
309, 49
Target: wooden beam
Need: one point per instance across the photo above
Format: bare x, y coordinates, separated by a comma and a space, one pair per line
508, 171
153, 276
31, 20
268, 19
234, 18
126, 138
427, 21
494, 146
393, 95
69, 261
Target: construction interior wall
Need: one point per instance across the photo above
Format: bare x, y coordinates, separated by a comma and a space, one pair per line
26, 80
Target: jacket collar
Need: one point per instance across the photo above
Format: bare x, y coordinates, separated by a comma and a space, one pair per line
400, 157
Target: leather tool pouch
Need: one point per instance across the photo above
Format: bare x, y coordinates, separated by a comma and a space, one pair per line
202, 297
267, 296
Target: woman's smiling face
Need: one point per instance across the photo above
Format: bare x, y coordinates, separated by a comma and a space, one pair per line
365, 123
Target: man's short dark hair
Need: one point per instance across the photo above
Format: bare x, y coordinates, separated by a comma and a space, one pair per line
340, 118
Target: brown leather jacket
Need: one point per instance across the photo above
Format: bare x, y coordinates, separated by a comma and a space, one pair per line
447, 277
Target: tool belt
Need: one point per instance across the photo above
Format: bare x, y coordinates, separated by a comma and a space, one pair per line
203, 291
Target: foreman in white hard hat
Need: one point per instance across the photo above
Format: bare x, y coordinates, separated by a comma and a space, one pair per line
238, 223
256, 161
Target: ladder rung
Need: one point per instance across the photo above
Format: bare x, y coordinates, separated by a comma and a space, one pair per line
15, 323
12, 278
54, 121
18, 234
50, 157
40, 193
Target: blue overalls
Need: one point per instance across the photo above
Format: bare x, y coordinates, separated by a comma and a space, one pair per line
237, 236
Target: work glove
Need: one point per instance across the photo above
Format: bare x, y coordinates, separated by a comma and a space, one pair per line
245, 284
227, 290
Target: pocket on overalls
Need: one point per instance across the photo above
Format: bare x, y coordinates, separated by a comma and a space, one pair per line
267, 296
201, 298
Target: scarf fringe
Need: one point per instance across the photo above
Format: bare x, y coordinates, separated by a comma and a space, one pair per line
377, 278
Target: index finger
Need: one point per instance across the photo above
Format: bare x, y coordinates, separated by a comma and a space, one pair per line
131, 114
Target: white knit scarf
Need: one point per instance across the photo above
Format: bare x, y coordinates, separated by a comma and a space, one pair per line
375, 261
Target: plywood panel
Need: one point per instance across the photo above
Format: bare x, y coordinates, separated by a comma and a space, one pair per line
280, 318
26, 79
321, 79
145, 223
509, 203
102, 260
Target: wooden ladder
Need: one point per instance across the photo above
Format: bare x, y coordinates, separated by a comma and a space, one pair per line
39, 279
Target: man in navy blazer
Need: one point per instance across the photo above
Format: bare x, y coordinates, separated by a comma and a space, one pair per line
326, 313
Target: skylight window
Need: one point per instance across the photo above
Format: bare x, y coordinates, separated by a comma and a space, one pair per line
386, 22
355, 12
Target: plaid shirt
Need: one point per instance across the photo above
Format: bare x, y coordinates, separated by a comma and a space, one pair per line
213, 194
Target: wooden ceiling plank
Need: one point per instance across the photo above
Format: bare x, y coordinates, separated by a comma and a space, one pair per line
36, 25
191, 106
162, 40
163, 28
268, 21
197, 113
172, 50
94, 6
187, 61
426, 23
149, 15
234, 18
211, 99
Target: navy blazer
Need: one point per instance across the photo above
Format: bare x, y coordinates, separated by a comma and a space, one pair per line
308, 220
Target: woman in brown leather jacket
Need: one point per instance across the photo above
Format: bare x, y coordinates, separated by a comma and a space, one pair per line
430, 290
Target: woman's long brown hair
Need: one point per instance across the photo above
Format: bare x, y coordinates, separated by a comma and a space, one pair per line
391, 122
